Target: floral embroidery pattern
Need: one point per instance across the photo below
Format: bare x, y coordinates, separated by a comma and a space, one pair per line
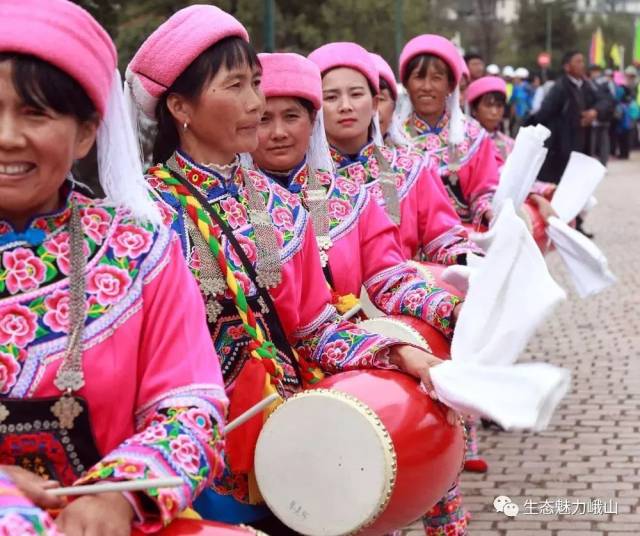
435, 141
181, 438
165, 441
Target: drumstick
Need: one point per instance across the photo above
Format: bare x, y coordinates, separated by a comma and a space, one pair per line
352, 312
171, 482
127, 485
254, 410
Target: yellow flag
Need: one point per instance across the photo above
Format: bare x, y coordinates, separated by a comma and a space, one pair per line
616, 56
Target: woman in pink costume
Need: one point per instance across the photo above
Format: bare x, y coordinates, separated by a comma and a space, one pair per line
486, 99
359, 242
107, 371
397, 178
350, 85
248, 241
466, 161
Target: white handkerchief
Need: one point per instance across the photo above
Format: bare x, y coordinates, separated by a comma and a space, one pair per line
510, 293
522, 166
585, 262
516, 396
579, 180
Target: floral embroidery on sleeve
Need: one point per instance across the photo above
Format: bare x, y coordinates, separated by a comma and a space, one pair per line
181, 439
400, 290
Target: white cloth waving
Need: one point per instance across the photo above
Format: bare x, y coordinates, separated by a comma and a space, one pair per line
510, 293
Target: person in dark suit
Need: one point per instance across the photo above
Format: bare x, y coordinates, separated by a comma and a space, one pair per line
568, 111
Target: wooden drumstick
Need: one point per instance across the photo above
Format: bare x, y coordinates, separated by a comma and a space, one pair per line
352, 312
170, 482
254, 410
127, 485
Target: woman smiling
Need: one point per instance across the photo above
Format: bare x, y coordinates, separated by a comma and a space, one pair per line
96, 303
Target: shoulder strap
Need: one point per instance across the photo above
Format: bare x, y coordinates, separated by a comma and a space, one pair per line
269, 309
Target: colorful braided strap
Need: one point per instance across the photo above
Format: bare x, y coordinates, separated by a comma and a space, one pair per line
258, 375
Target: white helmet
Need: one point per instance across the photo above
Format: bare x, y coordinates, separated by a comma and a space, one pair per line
521, 73
508, 72
493, 69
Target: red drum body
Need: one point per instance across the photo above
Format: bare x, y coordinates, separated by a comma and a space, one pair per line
363, 452
412, 331
193, 527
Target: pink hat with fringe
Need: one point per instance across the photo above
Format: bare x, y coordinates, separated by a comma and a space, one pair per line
435, 45
64, 35
291, 75
386, 73
349, 55
173, 46
486, 84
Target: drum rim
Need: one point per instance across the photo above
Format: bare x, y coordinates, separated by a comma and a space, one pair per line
424, 272
403, 325
389, 449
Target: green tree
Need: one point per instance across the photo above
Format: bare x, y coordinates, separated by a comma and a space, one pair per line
530, 33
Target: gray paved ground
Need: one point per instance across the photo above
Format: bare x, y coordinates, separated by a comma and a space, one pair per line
589, 458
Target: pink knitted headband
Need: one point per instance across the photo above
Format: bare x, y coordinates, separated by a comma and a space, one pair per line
486, 84
435, 45
386, 73
291, 75
349, 55
64, 35
173, 46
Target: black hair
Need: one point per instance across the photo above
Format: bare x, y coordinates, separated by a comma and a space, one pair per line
230, 52
496, 97
306, 104
372, 89
472, 56
385, 85
422, 62
44, 86
568, 56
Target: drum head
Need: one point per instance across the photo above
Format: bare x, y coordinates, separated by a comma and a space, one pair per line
390, 327
325, 463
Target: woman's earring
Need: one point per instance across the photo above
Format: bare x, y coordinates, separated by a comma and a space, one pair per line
185, 125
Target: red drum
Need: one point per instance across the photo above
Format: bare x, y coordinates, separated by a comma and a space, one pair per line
193, 527
432, 273
363, 452
410, 330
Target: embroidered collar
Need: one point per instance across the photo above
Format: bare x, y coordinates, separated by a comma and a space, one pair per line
39, 225
422, 127
343, 160
293, 180
208, 180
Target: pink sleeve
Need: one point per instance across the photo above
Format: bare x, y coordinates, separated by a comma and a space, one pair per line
393, 285
479, 180
181, 404
443, 238
322, 336
18, 515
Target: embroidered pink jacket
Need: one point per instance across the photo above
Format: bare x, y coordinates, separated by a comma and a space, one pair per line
365, 250
429, 228
155, 408
302, 299
470, 173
